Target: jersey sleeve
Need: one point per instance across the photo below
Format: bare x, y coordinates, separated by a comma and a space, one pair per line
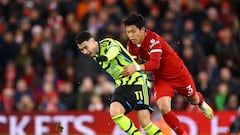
155, 50
113, 50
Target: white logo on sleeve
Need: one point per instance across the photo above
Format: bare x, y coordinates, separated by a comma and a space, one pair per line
190, 90
153, 42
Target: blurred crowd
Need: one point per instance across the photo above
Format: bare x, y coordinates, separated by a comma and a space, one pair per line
41, 68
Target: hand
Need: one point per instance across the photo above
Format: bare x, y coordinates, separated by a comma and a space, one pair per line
129, 70
101, 58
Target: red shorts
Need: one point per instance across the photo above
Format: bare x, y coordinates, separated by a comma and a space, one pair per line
183, 84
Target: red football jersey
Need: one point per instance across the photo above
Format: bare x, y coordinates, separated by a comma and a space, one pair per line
158, 55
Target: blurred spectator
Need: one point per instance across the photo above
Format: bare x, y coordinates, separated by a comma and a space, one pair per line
8, 100
25, 26
86, 90
27, 8
214, 3
55, 19
166, 25
58, 35
228, 17
48, 93
35, 16
176, 15
69, 74
155, 12
195, 12
232, 102
226, 47
106, 91
151, 23
207, 37
101, 79
179, 103
66, 6
93, 25
123, 36
23, 58
144, 6
190, 29
12, 22
33, 81
21, 91
95, 103
235, 126
127, 5
213, 17
204, 85
110, 29
113, 10
37, 33
2, 25
25, 104
69, 19
212, 68
19, 36
220, 97
68, 48
192, 55
10, 75
8, 48
50, 75
50, 99
226, 77
87, 6
67, 96
46, 51
5, 6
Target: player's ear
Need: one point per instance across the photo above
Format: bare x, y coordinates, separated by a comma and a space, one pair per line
96, 42
143, 29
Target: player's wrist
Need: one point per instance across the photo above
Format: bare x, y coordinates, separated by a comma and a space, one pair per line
138, 67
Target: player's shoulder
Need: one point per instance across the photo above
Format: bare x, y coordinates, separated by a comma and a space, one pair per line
153, 38
109, 41
152, 35
106, 40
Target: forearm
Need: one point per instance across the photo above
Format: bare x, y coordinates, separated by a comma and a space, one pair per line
153, 63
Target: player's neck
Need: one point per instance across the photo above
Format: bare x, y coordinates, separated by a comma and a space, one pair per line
142, 39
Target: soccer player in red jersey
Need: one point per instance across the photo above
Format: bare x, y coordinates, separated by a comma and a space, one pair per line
168, 70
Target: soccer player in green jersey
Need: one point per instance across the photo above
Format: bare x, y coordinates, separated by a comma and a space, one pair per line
131, 93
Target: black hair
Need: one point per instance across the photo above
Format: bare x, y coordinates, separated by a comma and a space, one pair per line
135, 19
82, 36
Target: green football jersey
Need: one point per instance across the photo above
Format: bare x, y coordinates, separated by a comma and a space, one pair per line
118, 57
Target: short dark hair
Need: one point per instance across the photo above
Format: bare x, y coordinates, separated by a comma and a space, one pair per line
135, 19
82, 36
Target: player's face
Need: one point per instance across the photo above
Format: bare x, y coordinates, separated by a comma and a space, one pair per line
135, 34
89, 48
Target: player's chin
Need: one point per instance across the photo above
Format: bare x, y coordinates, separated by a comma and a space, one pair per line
90, 55
134, 41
